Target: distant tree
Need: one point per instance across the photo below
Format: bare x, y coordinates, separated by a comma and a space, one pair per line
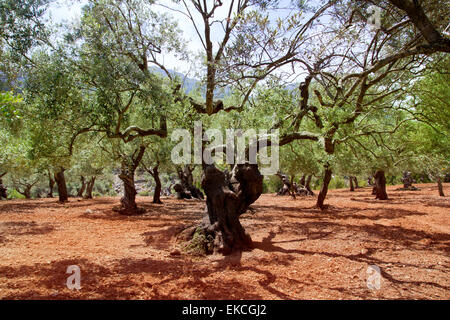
157, 160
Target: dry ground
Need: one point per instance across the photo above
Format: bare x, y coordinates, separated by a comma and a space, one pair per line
300, 252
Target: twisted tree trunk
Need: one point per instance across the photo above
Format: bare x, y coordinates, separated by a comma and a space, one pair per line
380, 185
3, 189
51, 184
128, 200
82, 187
350, 179
61, 183
185, 189
26, 191
228, 196
440, 188
408, 181
308, 185
155, 174
324, 189
303, 181
158, 187
89, 187
355, 180
287, 185
128, 168
227, 200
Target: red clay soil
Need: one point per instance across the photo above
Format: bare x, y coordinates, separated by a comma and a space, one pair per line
300, 252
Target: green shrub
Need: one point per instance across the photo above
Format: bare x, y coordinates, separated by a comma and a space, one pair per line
144, 193
14, 194
272, 184
96, 194
337, 183
112, 193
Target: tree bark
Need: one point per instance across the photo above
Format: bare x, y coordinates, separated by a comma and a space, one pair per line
308, 185
128, 168
51, 184
128, 200
374, 190
26, 191
185, 188
407, 180
350, 179
3, 189
286, 188
82, 187
440, 188
227, 197
62, 187
302, 180
158, 187
324, 189
380, 183
355, 181
89, 187
419, 18
181, 192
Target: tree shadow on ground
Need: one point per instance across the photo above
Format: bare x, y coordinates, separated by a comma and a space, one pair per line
165, 213
335, 212
122, 279
23, 228
29, 206
12, 229
162, 239
406, 236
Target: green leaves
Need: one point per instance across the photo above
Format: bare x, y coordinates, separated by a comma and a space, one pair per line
21, 23
8, 104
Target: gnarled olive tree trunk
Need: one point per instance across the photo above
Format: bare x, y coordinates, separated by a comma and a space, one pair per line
155, 174
228, 196
329, 149
51, 184
303, 180
26, 191
308, 185
3, 189
61, 183
128, 168
158, 187
89, 187
287, 185
80, 191
440, 188
380, 185
324, 189
350, 179
408, 181
355, 181
185, 189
